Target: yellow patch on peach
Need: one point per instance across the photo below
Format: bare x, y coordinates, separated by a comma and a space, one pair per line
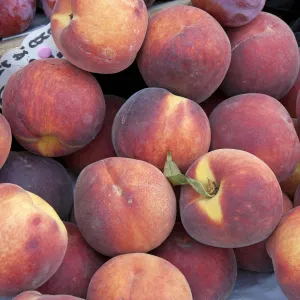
211, 206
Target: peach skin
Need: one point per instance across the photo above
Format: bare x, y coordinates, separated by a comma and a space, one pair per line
99, 36
33, 238
41, 102
237, 211
139, 276
5, 140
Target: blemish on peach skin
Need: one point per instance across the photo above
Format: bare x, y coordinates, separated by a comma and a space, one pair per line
32, 244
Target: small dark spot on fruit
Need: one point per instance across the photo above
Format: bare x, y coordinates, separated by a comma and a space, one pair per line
137, 12
240, 18
36, 221
71, 16
32, 244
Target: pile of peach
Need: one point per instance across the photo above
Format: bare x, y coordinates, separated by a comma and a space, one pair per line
178, 186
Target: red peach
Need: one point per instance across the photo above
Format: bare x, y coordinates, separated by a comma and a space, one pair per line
81, 32
16, 16
186, 51
77, 269
139, 276
41, 102
265, 58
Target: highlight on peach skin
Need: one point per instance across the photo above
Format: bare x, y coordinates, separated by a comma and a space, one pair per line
16, 16
32, 233
39, 100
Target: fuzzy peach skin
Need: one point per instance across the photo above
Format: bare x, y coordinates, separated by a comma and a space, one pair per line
283, 248
116, 201
255, 257
258, 124
99, 36
139, 276
16, 16
48, 6
42, 176
34, 295
246, 208
289, 186
33, 238
211, 272
153, 121
290, 99
101, 147
231, 13
265, 58
42, 102
186, 51
5, 140
77, 269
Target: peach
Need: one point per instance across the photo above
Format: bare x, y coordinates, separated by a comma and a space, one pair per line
34, 295
265, 58
116, 201
258, 124
16, 16
186, 51
153, 121
289, 101
139, 276
231, 13
243, 203
48, 6
5, 140
41, 102
255, 257
44, 177
81, 32
101, 147
212, 102
289, 186
77, 269
211, 272
283, 248
33, 238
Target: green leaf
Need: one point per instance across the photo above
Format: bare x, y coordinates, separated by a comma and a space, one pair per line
198, 187
172, 172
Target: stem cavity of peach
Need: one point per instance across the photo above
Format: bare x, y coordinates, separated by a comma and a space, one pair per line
173, 174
